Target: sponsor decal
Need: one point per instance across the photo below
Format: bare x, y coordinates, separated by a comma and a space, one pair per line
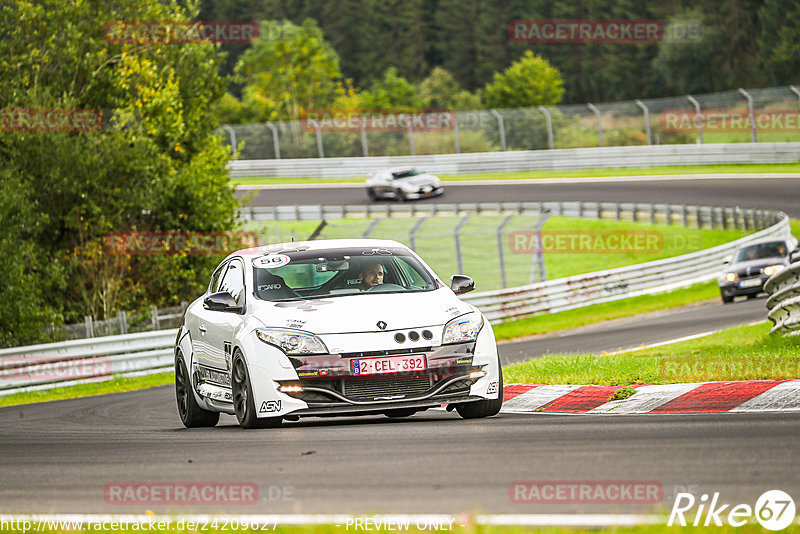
492, 388
270, 406
380, 324
461, 361
268, 287
305, 374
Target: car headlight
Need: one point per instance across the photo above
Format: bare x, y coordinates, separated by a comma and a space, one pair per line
773, 269
464, 328
731, 277
292, 341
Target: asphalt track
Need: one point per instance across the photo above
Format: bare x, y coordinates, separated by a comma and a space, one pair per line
59, 457
764, 193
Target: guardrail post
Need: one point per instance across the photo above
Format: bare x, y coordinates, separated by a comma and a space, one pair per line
652, 214
410, 129
276, 144
501, 127
596, 111
747, 215
123, 322
619, 212
646, 120
232, 135
685, 216
412, 235
699, 116
796, 91
635, 214
752, 113
668, 213
87, 321
457, 236
500, 249
318, 130
154, 317
549, 121
713, 217
698, 214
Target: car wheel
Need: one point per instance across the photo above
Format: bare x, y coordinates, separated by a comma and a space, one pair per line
371, 194
399, 195
399, 412
192, 415
483, 408
243, 403
727, 300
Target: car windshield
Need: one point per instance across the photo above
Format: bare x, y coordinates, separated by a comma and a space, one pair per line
405, 174
309, 274
775, 249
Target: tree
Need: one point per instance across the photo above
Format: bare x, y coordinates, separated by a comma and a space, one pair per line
154, 164
289, 71
531, 81
778, 42
441, 91
392, 91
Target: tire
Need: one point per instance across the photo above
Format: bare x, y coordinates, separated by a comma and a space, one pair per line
243, 398
192, 415
399, 195
483, 408
727, 300
399, 413
371, 194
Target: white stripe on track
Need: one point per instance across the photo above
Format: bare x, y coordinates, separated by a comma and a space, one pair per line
537, 397
782, 398
646, 398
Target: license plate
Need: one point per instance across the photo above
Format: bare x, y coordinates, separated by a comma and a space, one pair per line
389, 364
750, 283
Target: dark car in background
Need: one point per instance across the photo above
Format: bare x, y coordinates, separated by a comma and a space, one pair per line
751, 266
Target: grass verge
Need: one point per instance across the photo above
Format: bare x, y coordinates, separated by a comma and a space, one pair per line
543, 324
577, 173
118, 384
740, 353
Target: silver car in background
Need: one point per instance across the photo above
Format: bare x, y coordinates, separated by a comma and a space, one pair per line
403, 183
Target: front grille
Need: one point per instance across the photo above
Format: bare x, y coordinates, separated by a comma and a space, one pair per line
370, 388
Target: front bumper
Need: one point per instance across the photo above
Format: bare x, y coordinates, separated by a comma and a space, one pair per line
423, 193
734, 289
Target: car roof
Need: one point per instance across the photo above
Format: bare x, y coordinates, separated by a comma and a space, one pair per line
764, 241
319, 244
398, 169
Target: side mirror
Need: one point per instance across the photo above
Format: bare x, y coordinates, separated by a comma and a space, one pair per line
222, 301
794, 256
461, 284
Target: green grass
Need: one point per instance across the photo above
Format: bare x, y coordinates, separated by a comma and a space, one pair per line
740, 353
546, 323
578, 173
118, 384
435, 243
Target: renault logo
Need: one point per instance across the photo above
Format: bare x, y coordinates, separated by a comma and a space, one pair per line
381, 325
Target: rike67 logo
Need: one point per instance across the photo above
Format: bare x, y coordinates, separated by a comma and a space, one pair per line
774, 510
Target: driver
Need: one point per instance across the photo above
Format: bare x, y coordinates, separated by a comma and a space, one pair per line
370, 274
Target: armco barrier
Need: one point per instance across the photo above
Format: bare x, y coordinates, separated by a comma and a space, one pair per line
69, 362
525, 160
784, 299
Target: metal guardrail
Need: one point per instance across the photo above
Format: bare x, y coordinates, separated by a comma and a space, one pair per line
784, 299
79, 361
525, 160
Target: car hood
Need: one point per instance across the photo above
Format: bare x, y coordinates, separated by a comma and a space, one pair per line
363, 312
420, 179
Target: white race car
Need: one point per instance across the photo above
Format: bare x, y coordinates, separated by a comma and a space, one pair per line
402, 183
338, 327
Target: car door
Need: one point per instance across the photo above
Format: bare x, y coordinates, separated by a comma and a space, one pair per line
217, 328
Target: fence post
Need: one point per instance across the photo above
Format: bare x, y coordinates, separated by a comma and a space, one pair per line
596, 111
313, 123
276, 144
646, 120
123, 322
796, 91
685, 216
500, 252
699, 116
412, 235
87, 321
549, 120
154, 313
456, 139
364, 146
652, 214
538, 257
410, 129
501, 127
752, 113
460, 227
232, 135
372, 226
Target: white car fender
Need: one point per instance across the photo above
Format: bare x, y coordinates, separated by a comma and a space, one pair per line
486, 354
